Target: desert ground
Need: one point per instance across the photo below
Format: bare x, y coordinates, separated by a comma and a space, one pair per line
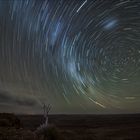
72, 127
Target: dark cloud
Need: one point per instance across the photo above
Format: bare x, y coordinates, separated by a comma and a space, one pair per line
6, 97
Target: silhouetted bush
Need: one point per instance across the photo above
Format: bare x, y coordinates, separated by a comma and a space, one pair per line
9, 120
5, 123
49, 133
52, 133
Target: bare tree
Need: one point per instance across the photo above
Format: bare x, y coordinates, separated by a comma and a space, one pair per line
42, 129
46, 112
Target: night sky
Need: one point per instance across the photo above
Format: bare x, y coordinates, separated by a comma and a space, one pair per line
81, 56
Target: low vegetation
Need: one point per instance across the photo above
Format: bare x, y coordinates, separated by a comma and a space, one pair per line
70, 127
11, 129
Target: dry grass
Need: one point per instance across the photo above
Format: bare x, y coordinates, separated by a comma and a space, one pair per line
12, 133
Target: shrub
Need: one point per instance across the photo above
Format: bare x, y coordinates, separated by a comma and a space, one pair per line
49, 133
9, 120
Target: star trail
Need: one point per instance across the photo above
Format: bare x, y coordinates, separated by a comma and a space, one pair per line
81, 56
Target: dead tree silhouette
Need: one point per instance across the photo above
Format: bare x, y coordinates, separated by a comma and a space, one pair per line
42, 129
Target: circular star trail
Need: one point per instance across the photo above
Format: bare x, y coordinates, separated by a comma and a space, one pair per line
80, 56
